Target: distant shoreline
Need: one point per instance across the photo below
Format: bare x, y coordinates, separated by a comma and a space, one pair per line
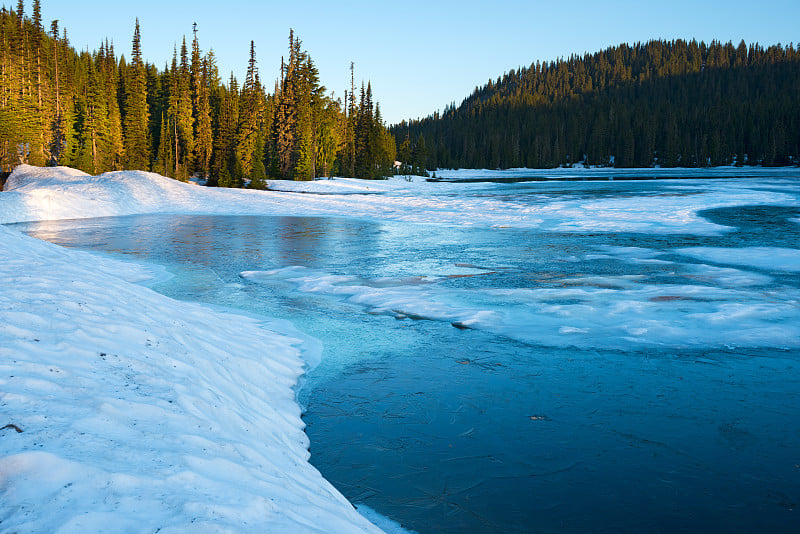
601, 174
588, 178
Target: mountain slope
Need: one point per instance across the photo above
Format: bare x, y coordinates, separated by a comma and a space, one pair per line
672, 103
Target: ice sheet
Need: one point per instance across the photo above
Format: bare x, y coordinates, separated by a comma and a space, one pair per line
766, 258
620, 312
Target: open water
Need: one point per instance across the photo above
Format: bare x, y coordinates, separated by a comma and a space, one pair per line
507, 380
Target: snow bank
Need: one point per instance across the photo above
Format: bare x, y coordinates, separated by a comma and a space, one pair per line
144, 414
60, 193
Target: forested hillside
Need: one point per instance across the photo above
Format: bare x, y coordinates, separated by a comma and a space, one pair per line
670, 103
99, 112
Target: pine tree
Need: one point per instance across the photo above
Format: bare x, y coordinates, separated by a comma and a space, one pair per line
308, 104
95, 131
285, 123
330, 135
228, 131
184, 115
258, 174
58, 127
137, 145
250, 117
113, 151
204, 134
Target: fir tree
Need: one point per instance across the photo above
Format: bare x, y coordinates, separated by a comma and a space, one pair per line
204, 134
184, 116
285, 122
250, 117
228, 131
258, 174
137, 146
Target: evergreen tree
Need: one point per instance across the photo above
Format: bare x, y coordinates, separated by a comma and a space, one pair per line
250, 117
258, 174
285, 122
137, 146
165, 158
308, 104
203, 134
184, 117
228, 131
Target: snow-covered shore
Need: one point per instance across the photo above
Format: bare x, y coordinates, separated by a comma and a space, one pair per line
33, 194
141, 414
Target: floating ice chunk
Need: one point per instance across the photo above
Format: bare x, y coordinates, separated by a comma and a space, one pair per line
572, 330
603, 312
624, 281
726, 276
766, 258
629, 254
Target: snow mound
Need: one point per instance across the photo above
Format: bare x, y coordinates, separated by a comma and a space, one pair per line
34, 194
139, 413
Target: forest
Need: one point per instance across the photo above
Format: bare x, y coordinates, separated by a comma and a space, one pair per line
99, 112
661, 103
666, 103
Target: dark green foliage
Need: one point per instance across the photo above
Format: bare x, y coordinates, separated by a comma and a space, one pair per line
370, 148
136, 125
97, 112
672, 103
250, 123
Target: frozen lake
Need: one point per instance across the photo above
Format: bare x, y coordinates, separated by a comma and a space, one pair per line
560, 378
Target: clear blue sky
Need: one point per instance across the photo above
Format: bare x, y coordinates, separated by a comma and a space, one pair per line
419, 55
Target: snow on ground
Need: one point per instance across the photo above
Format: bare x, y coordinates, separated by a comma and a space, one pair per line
144, 414
60, 193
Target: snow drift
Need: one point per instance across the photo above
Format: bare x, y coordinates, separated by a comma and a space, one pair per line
128, 411
33, 194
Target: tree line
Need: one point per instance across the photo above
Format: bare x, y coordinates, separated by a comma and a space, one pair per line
668, 103
98, 112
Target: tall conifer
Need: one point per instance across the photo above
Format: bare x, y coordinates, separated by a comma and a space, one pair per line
250, 117
137, 146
